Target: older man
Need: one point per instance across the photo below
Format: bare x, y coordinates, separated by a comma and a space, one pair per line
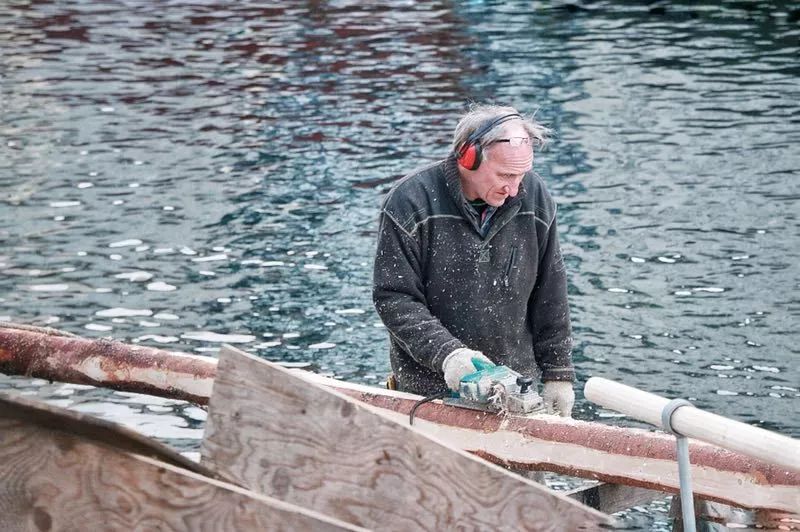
469, 266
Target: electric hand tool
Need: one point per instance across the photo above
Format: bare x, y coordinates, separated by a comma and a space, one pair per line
496, 389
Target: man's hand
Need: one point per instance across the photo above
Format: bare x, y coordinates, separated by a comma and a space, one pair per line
558, 396
459, 364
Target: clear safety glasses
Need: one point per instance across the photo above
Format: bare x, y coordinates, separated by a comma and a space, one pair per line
515, 141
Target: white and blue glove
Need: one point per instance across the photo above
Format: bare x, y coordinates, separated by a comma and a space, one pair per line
458, 364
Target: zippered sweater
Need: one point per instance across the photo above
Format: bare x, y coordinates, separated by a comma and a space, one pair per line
440, 284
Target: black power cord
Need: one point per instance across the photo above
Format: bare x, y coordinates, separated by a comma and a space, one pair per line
423, 401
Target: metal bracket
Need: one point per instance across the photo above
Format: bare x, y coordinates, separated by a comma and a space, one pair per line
684, 466
669, 409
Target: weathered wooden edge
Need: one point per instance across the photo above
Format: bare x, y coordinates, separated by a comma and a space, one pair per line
229, 355
90, 428
96, 457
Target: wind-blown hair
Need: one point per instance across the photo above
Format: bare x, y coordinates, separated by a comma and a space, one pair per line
480, 114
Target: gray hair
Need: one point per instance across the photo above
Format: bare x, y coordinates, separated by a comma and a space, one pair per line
480, 114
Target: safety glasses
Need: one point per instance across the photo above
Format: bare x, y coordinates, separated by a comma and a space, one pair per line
515, 141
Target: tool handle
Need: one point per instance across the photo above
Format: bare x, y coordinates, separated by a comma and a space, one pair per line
480, 364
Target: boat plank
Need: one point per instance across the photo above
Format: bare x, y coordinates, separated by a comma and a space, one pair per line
288, 438
57, 480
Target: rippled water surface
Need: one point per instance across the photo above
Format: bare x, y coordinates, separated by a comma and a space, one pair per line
185, 174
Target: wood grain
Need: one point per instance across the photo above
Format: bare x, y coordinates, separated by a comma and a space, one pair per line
283, 436
90, 428
54, 480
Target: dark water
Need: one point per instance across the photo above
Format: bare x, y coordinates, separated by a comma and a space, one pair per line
175, 172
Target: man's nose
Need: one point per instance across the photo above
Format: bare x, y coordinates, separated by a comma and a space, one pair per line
511, 190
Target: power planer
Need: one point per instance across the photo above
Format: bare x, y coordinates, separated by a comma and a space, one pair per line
498, 389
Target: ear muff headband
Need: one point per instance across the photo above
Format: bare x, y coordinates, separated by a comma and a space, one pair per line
470, 153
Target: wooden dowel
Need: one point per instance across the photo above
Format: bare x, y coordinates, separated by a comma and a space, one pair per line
695, 423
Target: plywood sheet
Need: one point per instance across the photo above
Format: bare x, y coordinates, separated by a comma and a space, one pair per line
288, 438
53, 479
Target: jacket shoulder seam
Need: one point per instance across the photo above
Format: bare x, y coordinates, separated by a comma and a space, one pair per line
431, 217
397, 224
535, 216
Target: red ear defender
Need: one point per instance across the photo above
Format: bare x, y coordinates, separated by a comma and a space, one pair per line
470, 155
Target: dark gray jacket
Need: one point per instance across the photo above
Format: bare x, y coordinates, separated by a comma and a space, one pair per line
440, 285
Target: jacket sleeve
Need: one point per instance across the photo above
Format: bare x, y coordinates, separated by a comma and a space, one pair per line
399, 296
549, 312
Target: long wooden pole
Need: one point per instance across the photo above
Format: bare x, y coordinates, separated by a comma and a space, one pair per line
47, 355
695, 423
633, 457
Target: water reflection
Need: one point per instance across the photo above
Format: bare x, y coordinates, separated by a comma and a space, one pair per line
216, 170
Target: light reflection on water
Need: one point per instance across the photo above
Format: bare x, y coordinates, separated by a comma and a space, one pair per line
179, 174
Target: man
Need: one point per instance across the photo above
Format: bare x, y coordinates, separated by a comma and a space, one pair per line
469, 266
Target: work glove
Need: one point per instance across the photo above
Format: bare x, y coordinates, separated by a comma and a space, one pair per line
558, 396
458, 364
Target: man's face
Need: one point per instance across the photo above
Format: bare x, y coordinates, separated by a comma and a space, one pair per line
500, 175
